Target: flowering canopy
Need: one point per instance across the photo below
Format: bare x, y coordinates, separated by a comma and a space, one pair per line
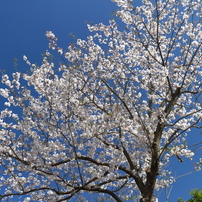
108, 118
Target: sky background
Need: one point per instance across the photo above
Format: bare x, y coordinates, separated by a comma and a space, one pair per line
23, 24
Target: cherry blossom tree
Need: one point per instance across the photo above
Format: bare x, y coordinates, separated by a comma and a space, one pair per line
107, 119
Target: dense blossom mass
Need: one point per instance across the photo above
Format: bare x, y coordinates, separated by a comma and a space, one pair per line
107, 119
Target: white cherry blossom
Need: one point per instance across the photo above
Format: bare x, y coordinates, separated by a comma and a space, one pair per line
111, 114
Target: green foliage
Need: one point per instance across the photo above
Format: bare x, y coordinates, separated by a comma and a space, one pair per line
196, 196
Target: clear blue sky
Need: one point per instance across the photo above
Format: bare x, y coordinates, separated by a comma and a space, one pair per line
23, 25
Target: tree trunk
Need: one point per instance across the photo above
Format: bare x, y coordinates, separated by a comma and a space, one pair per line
145, 199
